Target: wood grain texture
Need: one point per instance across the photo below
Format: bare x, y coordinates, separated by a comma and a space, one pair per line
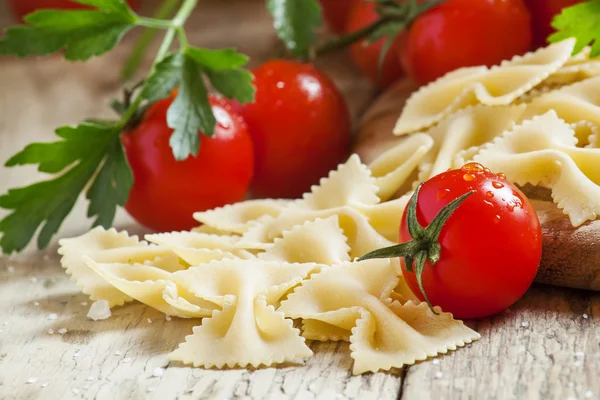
571, 256
116, 359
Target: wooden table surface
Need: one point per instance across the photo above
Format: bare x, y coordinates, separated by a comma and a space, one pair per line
546, 347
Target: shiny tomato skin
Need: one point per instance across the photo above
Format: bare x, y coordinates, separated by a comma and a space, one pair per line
167, 192
366, 57
490, 247
300, 126
21, 8
463, 33
335, 12
542, 13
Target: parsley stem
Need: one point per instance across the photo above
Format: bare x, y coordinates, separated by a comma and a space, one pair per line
342, 42
154, 23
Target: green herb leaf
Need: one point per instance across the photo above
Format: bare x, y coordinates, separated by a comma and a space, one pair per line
581, 21
233, 84
83, 149
82, 33
295, 22
164, 78
110, 6
190, 112
217, 59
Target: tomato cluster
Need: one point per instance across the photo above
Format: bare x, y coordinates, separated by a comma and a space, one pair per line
454, 34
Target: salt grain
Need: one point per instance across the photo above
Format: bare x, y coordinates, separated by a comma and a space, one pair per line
435, 361
76, 354
33, 379
168, 318
84, 303
86, 387
150, 389
33, 279
10, 269
127, 359
62, 331
90, 378
579, 354
99, 310
525, 324
438, 374
585, 316
149, 321
118, 353
75, 391
44, 384
36, 303
52, 317
158, 372
50, 331
588, 394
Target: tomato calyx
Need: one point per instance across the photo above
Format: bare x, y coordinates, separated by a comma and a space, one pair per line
424, 244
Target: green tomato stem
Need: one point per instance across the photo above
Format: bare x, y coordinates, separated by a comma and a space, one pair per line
341, 42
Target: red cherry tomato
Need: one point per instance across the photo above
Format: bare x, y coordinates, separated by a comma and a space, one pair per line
490, 246
542, 13
336, 13
462, 33
300, 126
366, 57
21, 8
167, 192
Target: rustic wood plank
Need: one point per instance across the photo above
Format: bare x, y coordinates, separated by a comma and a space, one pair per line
546, 347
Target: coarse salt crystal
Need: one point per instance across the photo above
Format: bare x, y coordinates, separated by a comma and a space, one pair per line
44, 384
32, 379
75, 391
33, 279
52, 317
158, 372
62, 331
10, 269
36, 303
149, 321
167, 317
76, 354
588, 394
435, 361
84, 303
50, 331
127, 359
150, 389
118, 353
90, 378
438, 374
585, 316
579, 354
99, 310
525, 324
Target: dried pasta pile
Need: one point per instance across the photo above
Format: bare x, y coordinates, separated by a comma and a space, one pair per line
253, 267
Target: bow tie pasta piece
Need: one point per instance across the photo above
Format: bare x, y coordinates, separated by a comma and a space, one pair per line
577, 68
235, 218
586, 133
248, 330
385, 218
108, 246
464, 130
153, 287
362, 237
542, 152
498, 85
320, 241
198, 248
355, 297
393, 168
573, 103
350, 182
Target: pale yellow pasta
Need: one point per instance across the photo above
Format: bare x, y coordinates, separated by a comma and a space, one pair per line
321, 241
543, 152
197, 248
498, 85
586, 133
577, 68
394, 167
355, 296
235, 218
152, 286
108, 246
385, 218
248, 330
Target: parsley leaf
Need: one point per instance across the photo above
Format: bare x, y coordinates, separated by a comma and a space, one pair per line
217, 59
190, 112
78, 155
164, 78
82, 33
114, 6
295, 22
581, 21
233, 84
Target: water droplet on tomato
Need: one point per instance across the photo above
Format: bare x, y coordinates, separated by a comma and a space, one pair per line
442, 193
501, 175
489, 194
469, 177
497, 185
496, 218
487, 170
472, 167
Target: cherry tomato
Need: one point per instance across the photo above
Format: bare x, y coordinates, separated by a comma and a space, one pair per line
490, 246
167, 192
462, 33
336, 13
300, 126
366, 57
542, 13
21, 8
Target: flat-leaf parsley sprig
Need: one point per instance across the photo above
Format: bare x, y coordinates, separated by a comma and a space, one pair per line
90, 155
582, 22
